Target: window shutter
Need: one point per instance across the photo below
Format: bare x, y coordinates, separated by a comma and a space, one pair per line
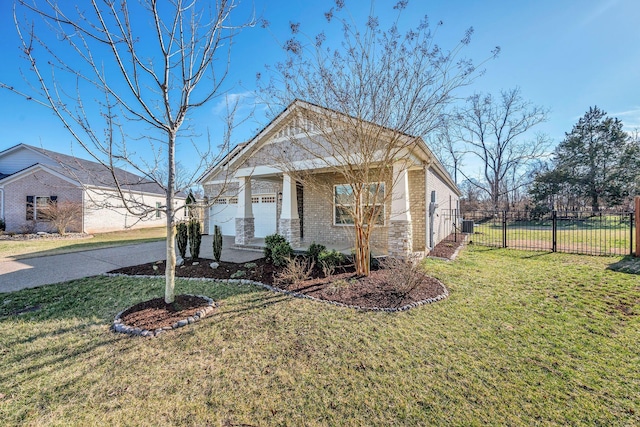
30, 200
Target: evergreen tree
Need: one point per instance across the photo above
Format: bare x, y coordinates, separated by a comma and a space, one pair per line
596, 160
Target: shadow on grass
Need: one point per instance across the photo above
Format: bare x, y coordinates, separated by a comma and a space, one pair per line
629, 264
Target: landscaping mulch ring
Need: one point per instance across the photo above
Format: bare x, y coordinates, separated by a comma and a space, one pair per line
379, 291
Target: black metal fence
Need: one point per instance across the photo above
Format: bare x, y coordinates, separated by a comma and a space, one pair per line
602, 233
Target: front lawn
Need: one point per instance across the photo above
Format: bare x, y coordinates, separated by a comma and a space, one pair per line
19, 249
524, 338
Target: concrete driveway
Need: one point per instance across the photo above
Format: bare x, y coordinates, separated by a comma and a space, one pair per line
33, 272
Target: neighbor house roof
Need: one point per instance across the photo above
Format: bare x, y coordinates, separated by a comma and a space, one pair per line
86, 172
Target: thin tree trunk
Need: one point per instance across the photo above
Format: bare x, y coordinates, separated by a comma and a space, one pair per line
169, 293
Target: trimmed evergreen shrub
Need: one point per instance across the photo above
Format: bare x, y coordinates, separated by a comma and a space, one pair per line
314, 250
182, 238
217, 243
270, 242
330, 258
281, 253
195, 238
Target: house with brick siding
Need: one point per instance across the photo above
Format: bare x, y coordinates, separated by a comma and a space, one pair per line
31, 178
252, 195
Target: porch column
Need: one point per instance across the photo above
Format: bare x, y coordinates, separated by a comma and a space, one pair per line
289, 224
400, 228
245, 223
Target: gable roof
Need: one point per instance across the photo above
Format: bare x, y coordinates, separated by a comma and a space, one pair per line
244, 148
85, 172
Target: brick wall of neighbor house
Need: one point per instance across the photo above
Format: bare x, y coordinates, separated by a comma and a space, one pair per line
39, 184
446, 199
104, 211
318, 216
417, 209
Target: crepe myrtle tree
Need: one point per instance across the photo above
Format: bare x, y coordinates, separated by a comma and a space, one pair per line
364, 96
124, 77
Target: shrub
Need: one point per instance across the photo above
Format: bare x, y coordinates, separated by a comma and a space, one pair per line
3, 225
238, 274
195, 238
404, 274
296, 270
329, 260
250, 265
281, 253
217, 243
270, 242
182, 238
63, 215
314, 250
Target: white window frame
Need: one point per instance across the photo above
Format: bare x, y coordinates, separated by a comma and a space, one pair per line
379, 203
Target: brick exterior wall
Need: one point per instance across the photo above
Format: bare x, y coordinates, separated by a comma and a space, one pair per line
39, 184
417, 209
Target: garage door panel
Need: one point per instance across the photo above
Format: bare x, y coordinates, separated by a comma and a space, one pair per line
224, 216
264, 211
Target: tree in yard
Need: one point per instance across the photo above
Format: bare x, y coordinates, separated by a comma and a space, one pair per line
63, 215
124, 77
597, 160
365, 98
495, 132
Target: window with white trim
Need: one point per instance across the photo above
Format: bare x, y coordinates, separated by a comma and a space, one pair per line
158, 211
372, 197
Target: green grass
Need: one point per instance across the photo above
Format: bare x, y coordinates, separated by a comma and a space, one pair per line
19, 249
524, 339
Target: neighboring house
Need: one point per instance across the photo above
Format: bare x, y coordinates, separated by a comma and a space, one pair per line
31, 178
251, 197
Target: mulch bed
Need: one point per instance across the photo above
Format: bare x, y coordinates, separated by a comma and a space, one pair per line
155, 314
343, 287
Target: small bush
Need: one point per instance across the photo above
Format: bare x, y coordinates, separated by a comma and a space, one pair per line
281, 253
238, 274
195, 238
3, 225
182, 238
329, 260
217, 243
404, 274
250, 265
315, 249
271, 242
295, 270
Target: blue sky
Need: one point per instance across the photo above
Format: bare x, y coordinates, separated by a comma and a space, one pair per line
565, 55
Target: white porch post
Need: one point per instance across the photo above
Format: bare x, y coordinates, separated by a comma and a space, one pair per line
245, 223
400, 227
289, 223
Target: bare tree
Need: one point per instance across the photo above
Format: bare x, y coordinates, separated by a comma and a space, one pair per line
369, 102
495, 132
63, 215
124, 77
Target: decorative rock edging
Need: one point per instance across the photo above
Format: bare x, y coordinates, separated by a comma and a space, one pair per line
443, 295
120, 327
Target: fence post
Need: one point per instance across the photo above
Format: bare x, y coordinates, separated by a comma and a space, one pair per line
554, 231
504, 229
637, 214
631, 220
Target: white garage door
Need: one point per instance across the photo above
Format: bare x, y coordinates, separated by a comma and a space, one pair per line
264, 211
223, 213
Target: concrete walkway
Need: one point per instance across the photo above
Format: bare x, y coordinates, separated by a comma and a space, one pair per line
33, 272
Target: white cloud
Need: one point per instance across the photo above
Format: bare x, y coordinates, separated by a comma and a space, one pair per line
243, 99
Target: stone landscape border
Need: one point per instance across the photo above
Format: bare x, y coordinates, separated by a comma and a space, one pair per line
120, 327
440, 297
